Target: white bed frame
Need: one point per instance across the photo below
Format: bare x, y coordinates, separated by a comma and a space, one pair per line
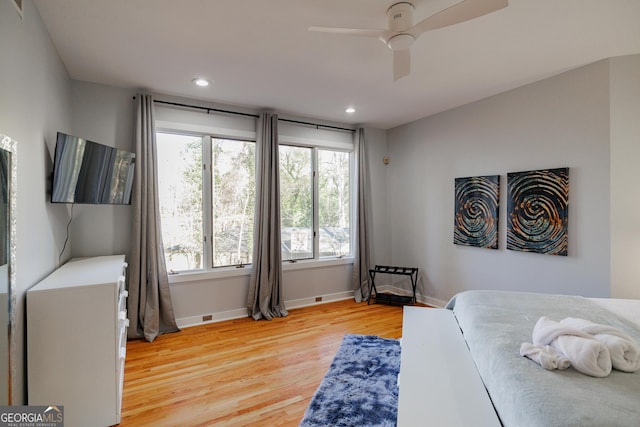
438, 382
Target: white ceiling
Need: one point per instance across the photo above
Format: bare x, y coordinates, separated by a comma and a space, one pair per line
259, 53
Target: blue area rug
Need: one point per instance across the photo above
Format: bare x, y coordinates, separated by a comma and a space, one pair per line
361, 386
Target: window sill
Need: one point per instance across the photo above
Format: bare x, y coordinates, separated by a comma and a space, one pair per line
313, 263
218, 273
225, 272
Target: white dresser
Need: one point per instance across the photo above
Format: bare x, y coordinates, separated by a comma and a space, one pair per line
76, 340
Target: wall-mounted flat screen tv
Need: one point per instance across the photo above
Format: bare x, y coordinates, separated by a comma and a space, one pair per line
91, 173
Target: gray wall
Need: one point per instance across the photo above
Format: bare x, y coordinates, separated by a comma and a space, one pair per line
34, 104
561, 121
625, 176
105, 115
379, 208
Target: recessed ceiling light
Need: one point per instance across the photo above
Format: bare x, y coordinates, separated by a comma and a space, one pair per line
201, 82
350, 110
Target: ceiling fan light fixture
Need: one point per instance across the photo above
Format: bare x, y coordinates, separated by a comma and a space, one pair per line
350, 110
400, 41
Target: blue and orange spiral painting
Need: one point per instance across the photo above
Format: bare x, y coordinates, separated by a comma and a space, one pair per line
476, 211
538, 211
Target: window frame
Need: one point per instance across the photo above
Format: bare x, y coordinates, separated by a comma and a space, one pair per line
208, 272
352, 202
181, 132
208, 197
315, 197
313, 186
211, 199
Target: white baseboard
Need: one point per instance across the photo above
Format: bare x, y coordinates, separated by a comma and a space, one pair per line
434, 302
420, 298
186, 322
305, 302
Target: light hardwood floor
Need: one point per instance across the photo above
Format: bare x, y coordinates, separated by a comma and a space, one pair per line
243, 372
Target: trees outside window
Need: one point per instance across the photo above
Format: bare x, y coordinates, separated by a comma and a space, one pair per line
334, 209
234, 193
206, 188
317, 207
296, 202
180, 193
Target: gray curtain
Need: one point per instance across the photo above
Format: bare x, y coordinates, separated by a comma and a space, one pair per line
5, 172
361, 285
265, 299
149, 305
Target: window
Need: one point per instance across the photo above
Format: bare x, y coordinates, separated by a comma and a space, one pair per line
180, 194
234, 193
334, 209
206, 188
319, 207
296, 202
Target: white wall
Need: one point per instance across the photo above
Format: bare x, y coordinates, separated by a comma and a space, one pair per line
34, 103
557, 122
102, 114
376, 143
223, 295
625, 176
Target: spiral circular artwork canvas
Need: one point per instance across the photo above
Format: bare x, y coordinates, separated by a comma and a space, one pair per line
476, 211
538, 211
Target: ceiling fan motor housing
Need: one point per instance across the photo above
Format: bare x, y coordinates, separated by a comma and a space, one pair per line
400, 16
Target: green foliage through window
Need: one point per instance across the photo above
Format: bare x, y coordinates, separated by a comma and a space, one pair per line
182, 164
234, 189
207, 189
297, 206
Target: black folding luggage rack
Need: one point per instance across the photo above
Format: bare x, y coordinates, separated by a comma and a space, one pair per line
383, 298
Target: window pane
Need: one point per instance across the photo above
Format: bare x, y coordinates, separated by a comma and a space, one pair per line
234, 187
333, 203
180, 193
296, 209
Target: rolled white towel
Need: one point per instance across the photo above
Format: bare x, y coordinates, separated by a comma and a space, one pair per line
624, 350
586, 355
545, 356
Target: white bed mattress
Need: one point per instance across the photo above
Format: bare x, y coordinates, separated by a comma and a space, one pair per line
628, 309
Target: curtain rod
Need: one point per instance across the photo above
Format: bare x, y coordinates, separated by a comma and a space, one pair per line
208, 109
317, 125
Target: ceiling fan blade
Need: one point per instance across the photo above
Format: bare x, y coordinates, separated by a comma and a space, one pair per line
459, 12
401, 63
350, 31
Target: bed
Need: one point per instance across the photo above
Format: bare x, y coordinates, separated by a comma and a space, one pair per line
493, 325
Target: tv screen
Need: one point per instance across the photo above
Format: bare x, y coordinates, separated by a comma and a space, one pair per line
92, 173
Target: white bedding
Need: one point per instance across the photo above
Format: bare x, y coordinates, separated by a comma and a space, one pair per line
628, 309
494, 325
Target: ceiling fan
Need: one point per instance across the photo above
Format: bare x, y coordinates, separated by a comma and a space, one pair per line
401, 32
